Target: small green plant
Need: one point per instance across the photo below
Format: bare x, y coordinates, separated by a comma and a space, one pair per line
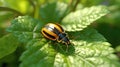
90, 48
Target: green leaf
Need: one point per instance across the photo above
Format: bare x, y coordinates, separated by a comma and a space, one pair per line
8, 45
80, 19
25, 28
117, 48
53, 12
90, 49
41, 53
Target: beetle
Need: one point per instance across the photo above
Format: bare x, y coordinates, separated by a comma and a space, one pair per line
56, 33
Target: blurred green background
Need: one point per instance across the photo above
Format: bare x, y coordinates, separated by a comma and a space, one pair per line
108, 26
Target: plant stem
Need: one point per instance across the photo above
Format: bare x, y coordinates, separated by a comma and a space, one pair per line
33, 5
36, 7
75, 5
10, 9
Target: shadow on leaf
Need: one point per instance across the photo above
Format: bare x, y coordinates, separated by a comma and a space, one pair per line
63, 49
